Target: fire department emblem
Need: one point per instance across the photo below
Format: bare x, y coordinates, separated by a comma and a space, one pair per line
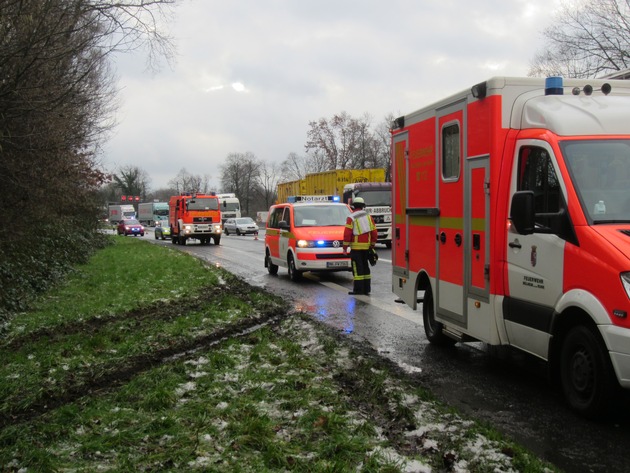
534, 256
336, 243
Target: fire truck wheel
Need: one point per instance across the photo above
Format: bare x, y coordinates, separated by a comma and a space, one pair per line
432, 328
294, 274
217, 240
586, 373
271, 268
388, 245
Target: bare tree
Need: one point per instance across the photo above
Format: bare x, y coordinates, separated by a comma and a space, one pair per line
186, 182
240, 175
131, 180
587, 38
295, 167
268, 179
342, 142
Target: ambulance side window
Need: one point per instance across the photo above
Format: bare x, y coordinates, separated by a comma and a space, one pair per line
287, 215
450, 152
276, 216
536, 173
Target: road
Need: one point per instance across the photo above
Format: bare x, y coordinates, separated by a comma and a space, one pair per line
506, 389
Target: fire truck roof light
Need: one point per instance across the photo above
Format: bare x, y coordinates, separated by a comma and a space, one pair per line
553, 86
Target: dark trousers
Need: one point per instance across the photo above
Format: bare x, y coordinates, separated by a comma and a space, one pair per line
361, 271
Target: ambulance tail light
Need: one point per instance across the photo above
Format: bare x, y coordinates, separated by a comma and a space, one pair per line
625, 280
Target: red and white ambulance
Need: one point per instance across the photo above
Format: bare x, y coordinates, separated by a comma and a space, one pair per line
511, 208
306, 234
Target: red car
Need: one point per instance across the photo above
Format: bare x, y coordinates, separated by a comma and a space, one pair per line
130, 227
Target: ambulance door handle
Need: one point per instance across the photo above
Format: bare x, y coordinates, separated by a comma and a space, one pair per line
514, 244
458, 239
442, 237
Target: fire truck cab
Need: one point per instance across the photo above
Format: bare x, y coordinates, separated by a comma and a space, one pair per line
511, 209
195, 216
306, 234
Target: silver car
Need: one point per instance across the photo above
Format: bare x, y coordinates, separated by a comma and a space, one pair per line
240, 226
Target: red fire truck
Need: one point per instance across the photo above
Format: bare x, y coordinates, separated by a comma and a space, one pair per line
511, 209
195, 216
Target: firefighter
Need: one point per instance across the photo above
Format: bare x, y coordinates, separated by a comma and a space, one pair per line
360, 236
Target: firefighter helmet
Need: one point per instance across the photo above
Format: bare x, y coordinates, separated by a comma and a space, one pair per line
358, 201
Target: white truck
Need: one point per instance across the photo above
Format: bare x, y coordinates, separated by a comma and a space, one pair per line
230, 206
153, 213
118, 212
378, 203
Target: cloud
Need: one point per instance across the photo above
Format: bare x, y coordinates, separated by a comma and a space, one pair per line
250, 75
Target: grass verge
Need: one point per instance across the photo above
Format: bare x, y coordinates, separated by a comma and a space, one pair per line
147, 360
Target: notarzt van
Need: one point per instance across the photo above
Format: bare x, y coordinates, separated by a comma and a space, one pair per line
306, 234
511, 206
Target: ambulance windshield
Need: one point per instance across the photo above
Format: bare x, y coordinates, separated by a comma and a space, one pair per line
600, 170
321, 215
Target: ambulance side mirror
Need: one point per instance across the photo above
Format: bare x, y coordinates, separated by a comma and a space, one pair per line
522, 212
284, 225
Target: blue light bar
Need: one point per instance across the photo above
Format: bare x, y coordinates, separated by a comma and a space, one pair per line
321, 242
553, 86
335, 198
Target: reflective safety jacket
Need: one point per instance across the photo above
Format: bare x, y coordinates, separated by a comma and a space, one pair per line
360, 232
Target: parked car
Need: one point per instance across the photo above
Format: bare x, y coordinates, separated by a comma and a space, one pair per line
163, 231
240, 226
130, 226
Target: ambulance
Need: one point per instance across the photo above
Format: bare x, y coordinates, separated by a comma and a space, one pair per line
306, 234
511, 209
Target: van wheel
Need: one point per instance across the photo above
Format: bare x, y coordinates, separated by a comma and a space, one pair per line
294, 274
226, 232
271, 268
434, 330
586, 373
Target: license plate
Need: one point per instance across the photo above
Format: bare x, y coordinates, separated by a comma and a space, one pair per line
337, 264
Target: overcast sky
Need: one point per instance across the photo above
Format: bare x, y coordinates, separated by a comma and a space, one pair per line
250, 74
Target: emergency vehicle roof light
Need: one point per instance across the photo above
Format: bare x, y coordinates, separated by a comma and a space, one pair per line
398, 123
553, 86
480, 90
588, 89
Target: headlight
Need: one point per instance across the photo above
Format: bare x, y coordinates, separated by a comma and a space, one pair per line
305, 244
625, 280
188, 227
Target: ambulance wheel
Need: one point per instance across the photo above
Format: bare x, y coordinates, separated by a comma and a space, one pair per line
434, 330
271, 268
294, 274
586, 374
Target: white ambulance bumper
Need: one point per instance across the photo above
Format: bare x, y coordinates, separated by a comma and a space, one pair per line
618, 341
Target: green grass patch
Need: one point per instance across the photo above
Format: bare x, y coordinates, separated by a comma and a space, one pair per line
176, 383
